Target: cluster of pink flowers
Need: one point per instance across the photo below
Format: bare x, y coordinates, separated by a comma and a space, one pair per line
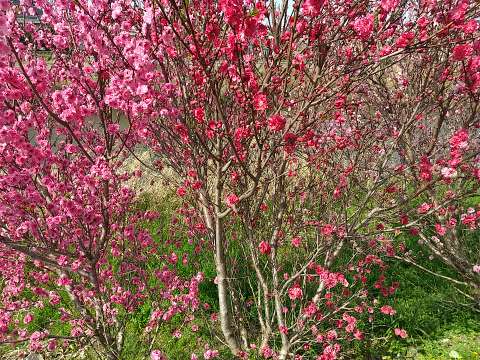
276, 123
458, 144
295, 292
401, 333
331, 279
364, 26
387, 310
312, 7
232, 200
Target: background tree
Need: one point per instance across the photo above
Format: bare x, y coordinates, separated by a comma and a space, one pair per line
281, 137
69, 236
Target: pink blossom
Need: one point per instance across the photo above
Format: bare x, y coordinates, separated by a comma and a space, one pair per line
199, 114
71, 148
389, 5
260, 102
116, 10
64, 281
460, 52
157, 355
476, 269
295, 292
351, 322
449, 173
62, 260
423, 22
441, 230
401, 333
210, 354
327, 229
181, 191
232, 10
231, 200
28, 318
52, 345
276, 123
470, 27
310, 309
265, 248
296, 241
332, 335
330, 352
76, 331
3, 25
424, 208
142, 89
267, 352
312, 7
387, 310
459, 140
5, 4
364, 26
357, 334
425, 169
405, 39
113, 128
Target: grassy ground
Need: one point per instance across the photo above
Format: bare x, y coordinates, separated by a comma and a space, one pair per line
428, 308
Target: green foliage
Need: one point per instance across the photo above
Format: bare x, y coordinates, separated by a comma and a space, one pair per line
456, 343
44, 317
429, 309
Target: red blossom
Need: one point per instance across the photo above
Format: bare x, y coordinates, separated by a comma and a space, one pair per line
276, 123
231, 199
181, 191
364, 26
199, 114
265, 248
260, 102
389, 5
312, 7
460, 52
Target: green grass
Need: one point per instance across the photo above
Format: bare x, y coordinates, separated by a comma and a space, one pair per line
428, 309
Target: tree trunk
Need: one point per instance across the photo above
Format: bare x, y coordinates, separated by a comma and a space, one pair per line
224, 311
220, 265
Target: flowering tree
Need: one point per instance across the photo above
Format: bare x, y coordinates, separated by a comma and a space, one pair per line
69, 238
303, 137
282, 132
438, 150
